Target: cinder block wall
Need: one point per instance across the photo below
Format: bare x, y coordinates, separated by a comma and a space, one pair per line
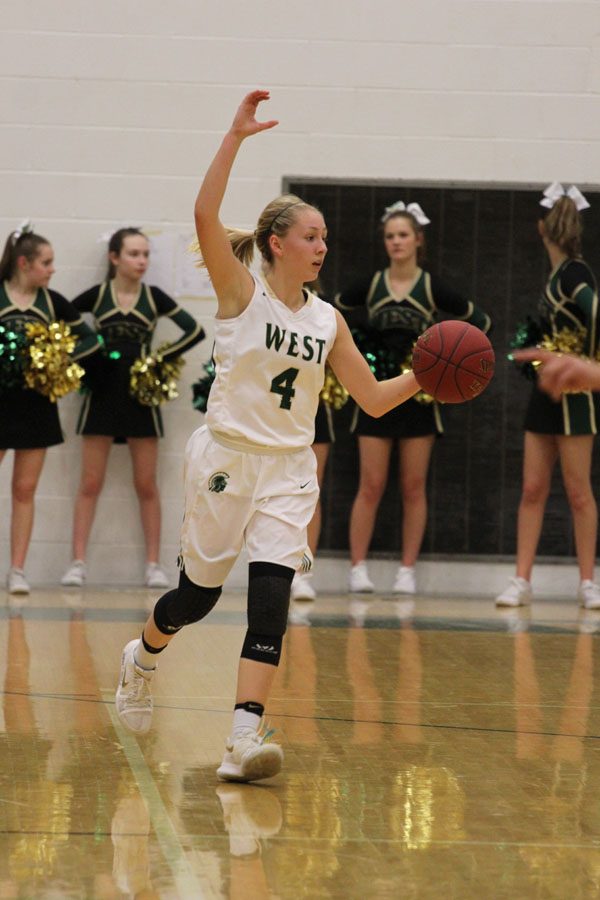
112, 111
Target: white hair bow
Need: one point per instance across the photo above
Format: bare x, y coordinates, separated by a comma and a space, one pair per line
555, 190
413, 208
26, 227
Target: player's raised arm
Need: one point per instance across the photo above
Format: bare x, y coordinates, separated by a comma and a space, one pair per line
351, 368
231, 280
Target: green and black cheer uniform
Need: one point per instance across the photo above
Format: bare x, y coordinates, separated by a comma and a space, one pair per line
28, 420
569, 313
109, 409
399, 321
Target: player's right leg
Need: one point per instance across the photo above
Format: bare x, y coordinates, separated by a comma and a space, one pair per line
217, 505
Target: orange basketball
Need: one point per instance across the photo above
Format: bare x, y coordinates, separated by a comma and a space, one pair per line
453, 361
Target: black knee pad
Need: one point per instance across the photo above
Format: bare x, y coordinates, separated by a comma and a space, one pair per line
187, 604
268, 604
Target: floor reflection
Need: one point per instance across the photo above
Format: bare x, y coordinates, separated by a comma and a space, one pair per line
426, 755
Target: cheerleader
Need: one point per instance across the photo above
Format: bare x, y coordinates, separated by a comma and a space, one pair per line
125, 311
29, 421
561, 428
397, 305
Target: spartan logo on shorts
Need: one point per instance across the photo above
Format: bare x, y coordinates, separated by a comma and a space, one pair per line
218, 482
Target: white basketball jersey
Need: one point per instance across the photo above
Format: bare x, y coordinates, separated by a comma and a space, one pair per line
270, 368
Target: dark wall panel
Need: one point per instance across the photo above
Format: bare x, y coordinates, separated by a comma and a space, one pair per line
484, 242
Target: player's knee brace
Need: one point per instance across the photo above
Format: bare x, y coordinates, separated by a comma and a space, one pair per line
188, 603
268, 604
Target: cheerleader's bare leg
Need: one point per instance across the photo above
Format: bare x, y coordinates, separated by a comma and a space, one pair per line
144, 458
94, 459
576, 463
27, 469
414, 457
375, 455
541, 453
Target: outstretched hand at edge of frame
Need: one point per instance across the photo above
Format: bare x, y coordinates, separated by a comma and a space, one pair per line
561, 373
244, 123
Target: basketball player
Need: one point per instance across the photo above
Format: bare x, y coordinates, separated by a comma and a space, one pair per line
563, 428
250, 473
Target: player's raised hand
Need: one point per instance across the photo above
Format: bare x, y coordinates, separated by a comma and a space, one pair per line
244, 123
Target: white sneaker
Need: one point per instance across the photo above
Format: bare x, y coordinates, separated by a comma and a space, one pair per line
250, 757
134, 694
518, 593
302, 588
155, 576
405, 581
359, 581
75, 575
589, 594
16, 583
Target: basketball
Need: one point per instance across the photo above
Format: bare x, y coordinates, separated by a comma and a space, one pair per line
453, 361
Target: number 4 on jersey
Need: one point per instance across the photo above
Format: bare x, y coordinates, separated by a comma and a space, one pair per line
283, 384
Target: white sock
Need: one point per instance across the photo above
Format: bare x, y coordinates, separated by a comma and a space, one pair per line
142, 658
244, 721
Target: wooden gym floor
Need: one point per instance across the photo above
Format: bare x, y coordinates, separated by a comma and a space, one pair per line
446, 751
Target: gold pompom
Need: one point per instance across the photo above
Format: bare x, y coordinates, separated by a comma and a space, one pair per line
153, 380
49, 369
565, 340
333, 393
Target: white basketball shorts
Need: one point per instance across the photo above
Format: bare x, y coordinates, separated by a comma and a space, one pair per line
235, 498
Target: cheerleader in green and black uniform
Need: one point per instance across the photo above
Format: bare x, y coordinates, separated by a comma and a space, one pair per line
397, 305
29, 421
561, 430
126, 311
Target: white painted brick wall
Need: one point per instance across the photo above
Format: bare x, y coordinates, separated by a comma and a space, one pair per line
111, 112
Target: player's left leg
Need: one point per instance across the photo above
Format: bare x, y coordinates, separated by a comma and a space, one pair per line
276, 543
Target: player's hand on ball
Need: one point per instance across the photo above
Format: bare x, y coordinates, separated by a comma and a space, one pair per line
453, 361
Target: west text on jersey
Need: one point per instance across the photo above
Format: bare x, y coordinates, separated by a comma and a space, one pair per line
290, 343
